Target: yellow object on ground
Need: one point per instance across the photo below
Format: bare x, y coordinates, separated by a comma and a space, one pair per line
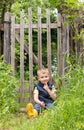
31, 112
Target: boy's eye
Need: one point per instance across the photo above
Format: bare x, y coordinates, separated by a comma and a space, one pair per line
42, 77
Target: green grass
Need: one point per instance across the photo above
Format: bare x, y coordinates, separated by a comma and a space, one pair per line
66, 114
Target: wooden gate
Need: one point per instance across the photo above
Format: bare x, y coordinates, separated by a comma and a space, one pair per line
65, 43
17, 33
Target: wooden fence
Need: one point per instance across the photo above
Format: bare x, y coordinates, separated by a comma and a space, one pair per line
17, 33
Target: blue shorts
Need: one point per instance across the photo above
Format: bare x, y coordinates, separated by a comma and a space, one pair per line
38, 107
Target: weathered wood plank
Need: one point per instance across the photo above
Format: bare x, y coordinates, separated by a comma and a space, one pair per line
68, 40
30, 54
13, 43
22, 56
65, 36
48, 40
39, 39
59, 46
24, 100
26, 89
35, 26
7, 38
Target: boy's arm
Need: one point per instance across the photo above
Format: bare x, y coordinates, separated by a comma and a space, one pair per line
36, 99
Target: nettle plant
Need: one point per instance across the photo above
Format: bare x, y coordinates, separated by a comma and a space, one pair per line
7, 89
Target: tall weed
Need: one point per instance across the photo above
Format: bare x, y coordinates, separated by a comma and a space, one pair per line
7, 89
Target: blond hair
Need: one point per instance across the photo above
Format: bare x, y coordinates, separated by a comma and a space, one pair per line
43, 71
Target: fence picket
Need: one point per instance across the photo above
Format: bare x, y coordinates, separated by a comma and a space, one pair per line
59, 47
48, 40
39, 39
22, 57
30, 54
13, 43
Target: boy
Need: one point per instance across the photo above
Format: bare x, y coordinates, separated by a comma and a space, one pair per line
44, 91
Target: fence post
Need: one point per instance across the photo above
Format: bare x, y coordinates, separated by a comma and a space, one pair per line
7, 38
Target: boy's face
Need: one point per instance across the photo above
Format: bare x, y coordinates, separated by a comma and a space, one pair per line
43, 77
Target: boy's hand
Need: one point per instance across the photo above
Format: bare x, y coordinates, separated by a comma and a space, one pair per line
46, 87
42, 104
